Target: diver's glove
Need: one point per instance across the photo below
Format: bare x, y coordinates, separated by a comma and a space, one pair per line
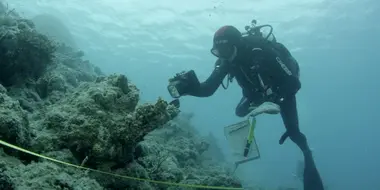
182, 83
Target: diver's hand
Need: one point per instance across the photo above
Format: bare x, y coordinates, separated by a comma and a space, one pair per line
178, 84
182, 83
178, 76
177, 88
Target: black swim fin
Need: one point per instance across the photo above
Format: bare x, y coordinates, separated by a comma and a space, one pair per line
311, 178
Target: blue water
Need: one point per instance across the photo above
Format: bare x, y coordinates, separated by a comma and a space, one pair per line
336, 43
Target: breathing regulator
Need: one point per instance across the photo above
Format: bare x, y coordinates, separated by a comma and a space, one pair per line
256, 30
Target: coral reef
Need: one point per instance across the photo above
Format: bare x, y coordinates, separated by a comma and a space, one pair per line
14, 123
41, 175
176, 153
56, 104
99, 120
24, 53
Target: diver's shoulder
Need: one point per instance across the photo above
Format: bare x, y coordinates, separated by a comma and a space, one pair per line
256, 41
253, 39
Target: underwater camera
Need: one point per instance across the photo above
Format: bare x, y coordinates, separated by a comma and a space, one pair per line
257, 30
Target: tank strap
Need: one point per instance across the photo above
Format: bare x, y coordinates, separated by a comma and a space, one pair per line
229, 79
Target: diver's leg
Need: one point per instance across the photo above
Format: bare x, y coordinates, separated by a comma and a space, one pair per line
243, 107
311, 179
289, 116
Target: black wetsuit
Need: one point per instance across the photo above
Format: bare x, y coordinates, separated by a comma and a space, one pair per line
259, 65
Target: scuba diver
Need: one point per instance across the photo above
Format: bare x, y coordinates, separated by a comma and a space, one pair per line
266, 71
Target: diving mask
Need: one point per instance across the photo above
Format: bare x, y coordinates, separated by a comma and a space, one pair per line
224, 51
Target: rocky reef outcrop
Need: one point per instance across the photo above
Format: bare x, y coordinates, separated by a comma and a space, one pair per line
54, 103
24, 54
178, 153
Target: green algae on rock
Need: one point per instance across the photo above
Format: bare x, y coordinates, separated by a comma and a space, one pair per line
24, 53
14, 124
101, 121
177, 153
42, 175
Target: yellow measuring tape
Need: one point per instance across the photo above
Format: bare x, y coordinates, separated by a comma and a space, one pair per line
251, 130
116, 175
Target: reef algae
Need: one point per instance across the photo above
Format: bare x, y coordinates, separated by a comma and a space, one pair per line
14, 175
24, 53
56, 104
14, 123
178, 153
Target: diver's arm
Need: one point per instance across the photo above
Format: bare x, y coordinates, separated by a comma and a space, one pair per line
209, 87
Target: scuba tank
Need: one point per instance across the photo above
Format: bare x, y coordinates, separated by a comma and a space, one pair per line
255, 30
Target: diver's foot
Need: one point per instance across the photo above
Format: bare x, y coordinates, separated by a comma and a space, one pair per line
311, 178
